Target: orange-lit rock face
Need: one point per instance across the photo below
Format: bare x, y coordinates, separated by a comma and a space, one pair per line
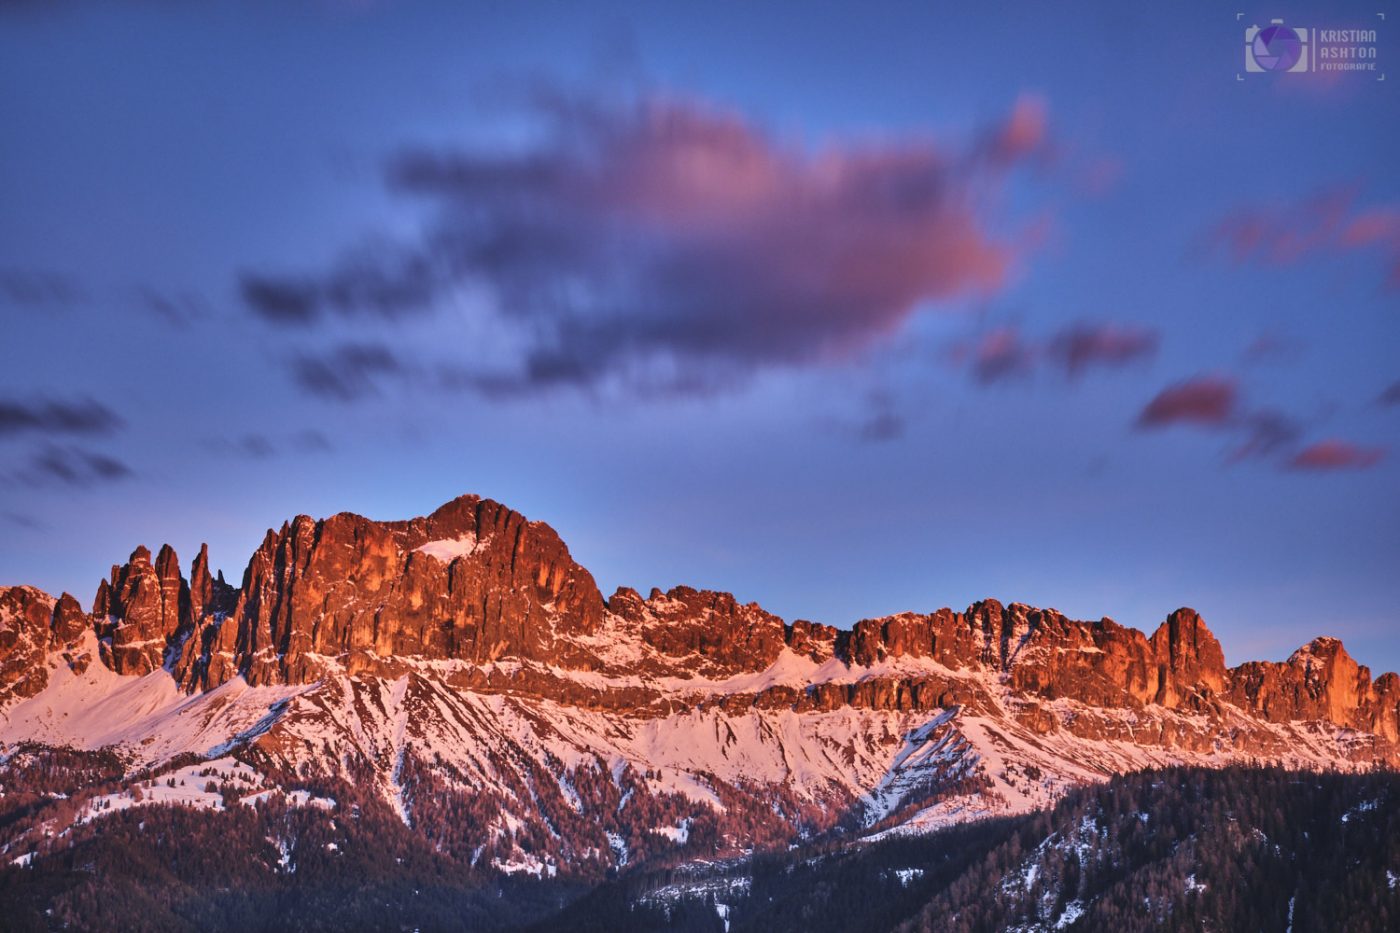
32, 624
25, 616
142, 611
476, 583
1319, 681
473, 581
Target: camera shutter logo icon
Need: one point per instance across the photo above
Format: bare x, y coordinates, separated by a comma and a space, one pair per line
1276, 47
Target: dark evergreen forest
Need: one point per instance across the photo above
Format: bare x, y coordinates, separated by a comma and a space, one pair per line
1177, 849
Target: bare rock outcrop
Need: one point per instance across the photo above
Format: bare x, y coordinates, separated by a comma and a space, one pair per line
33, 624
493, 602
474, 581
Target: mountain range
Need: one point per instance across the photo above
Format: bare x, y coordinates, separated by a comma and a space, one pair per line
463, 674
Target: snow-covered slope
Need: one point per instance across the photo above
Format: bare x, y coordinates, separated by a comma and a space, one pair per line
712, 756
461, 669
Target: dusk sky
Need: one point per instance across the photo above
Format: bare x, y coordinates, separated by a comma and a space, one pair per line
847, 311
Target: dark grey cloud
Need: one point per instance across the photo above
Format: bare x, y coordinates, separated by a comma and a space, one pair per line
379, 279
256, 446
654, 242
1391, 395
882, 424
47, 416
73, 467
259, 446
23, 520
39, 290
178, 308
310, 441
1265, 433
876, 417
282, 301
347, 373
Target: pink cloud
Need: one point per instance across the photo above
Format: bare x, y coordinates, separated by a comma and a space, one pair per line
1207, 401
1328, 223
1084, 345
1379, 225
1101, 176
1213, 403
1022, 133
1333, 454
1272, 346
671, 236
1000, 355
1006, 352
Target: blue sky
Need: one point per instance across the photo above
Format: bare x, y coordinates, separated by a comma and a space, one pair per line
847, 310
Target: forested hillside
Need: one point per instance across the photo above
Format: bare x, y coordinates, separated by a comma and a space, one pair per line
1175, 849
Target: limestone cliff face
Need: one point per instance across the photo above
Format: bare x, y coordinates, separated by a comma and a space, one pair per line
1319, 681
33, 624
717, 634
1045, 654
474, 581
209, 595
495, 603
1189, 663
141, 611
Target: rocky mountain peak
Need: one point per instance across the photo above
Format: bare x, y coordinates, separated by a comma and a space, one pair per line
142, 609
1188, 657
473, 581
33, 624
467, 649
208, 595
722, 635
1322, 652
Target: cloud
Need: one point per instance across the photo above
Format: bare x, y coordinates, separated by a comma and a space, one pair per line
1100, 176
1081, 346
882, 420
257, 446
82, 417
74, 467
178, 308
252, 446
1327, 223
1333, 454
1272, 346
283, 301
1265, 433
349, 372
872, 417
378, 279
39, 290
1000, 355
1214, 403
1205, 401
1391, 395
668, 243
1007, 353
23, 520
311, 441
1022, 134
882, 425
